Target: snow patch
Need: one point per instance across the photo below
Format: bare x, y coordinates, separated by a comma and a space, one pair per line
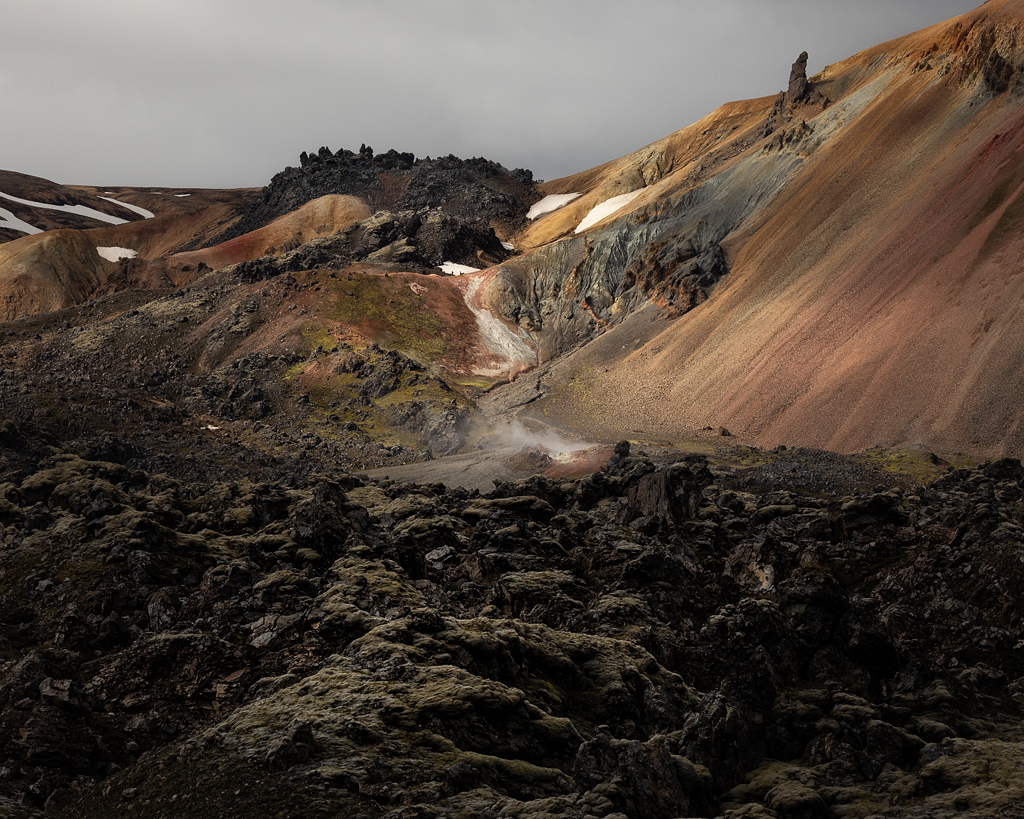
508, 246
9, 220
81, 210
115, 254
453, 269
550, 203
607, 208
141, 211
182, 195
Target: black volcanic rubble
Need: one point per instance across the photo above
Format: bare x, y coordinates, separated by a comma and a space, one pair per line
416, 241
468, 189
656, 640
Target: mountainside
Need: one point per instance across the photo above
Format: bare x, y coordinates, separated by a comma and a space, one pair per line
831, 267
846, 261
51, 258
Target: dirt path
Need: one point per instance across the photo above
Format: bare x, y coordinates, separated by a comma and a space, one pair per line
470, 470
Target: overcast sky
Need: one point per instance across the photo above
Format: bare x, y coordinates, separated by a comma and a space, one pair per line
225, 93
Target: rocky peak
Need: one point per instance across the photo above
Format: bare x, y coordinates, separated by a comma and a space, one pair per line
798, 91
395, 181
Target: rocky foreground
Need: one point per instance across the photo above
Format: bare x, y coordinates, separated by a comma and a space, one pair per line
655, 640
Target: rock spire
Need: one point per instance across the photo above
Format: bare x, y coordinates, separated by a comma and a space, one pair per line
798, 86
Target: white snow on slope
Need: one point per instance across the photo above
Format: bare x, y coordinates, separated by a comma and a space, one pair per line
115, 254
550, 203
607, 208
508, 246
453, 269
500, 340
182, 195
141, 211
9, 220
81, 210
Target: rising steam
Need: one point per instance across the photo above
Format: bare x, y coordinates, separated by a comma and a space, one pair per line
514, 434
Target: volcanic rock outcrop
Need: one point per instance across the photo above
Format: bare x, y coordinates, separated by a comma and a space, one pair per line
798, 86
419, 241
472, 188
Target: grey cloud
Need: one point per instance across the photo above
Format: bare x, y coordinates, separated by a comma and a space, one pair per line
225, 92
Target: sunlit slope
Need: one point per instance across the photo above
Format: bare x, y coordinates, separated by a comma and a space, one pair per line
322, 216
875, 298
59, 268
48, 271
679, 161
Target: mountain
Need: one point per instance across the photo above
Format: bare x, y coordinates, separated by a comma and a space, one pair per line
313, 323
827, 270
417, 488
52, 259
842, 263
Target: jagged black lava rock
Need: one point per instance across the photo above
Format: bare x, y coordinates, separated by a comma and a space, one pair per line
655, 640
474, 188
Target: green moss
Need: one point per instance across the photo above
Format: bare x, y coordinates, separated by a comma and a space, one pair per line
740, 456
316, 335
420, 391
910, 462
392, 313
471, 382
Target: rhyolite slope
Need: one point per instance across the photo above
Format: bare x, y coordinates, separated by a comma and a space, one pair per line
837, 270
